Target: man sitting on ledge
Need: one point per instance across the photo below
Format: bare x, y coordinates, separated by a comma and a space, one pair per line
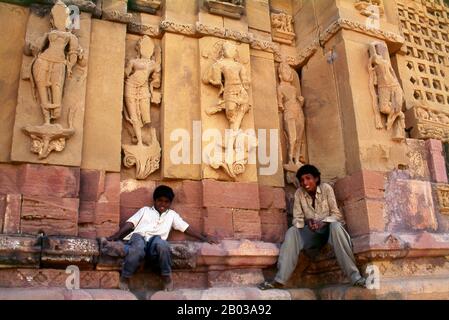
145, 235
316, 221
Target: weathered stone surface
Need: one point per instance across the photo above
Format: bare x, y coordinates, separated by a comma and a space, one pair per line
19, 251
271, 197
397, 289
218, 222
51, 215
51, 278
63, 251
409, 205
245, 293
55, 181
9, 178
183, 93
104, 102
273, 225
230, 195
238, 253
64, 294
12, 206
437, 163
235, 278
246, 224
13, 23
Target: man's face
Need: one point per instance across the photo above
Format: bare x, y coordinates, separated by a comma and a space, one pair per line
162, 204
308, 182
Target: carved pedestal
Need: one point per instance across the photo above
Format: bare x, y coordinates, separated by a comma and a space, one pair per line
146, 159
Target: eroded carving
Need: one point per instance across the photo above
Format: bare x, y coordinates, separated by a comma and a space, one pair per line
291, 102
229, 8
282, 27
230, 75
55, 55
370, 8
142, 77
386, 92
443, 198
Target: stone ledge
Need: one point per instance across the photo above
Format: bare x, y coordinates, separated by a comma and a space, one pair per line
64, 294
401, 245
392, 289
246, 293
61, 251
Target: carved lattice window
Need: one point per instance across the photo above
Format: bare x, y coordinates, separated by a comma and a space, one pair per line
425, 25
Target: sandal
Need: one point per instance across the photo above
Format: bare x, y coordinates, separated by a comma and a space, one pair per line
268, 285
361, 283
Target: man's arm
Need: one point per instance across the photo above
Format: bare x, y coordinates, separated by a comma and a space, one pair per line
123, 232
194, 233
298, 214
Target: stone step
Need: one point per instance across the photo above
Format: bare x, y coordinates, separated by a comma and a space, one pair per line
232, 293
64, 294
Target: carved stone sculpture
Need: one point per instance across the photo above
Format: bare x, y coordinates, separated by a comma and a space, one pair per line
230, 75
370, 8
55, 55
142, 76
229, 8
282, 28
291, 102
386, 92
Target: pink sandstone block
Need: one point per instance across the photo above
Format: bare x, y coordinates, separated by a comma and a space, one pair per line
437, 164
219, 222
230, 194
9, 178
45, 180
11, 215
271, 197
247, 224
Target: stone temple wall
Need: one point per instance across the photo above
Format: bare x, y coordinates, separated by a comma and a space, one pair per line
101, 108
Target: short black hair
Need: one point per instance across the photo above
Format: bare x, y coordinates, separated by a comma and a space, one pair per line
163, 191
309, 169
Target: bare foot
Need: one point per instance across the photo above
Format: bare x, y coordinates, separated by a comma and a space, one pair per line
168, 283
113, 248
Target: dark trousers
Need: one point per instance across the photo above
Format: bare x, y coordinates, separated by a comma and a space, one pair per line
156, 251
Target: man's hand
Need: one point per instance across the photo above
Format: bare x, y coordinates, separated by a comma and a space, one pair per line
311, 224
315, 225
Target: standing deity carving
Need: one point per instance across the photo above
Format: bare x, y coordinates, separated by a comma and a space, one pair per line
55, 55
142, 78
229, 74
386, 92
291, 102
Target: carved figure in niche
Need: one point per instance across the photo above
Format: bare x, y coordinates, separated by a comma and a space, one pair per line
142, 76
55, 55
282, 22
291, 103
139, 90
370, 8
386, 92
230, 75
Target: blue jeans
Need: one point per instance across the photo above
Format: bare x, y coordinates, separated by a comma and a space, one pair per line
155, 250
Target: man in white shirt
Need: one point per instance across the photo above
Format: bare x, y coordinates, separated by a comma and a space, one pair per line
145, 235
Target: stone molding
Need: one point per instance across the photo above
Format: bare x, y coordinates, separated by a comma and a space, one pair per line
428, 123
